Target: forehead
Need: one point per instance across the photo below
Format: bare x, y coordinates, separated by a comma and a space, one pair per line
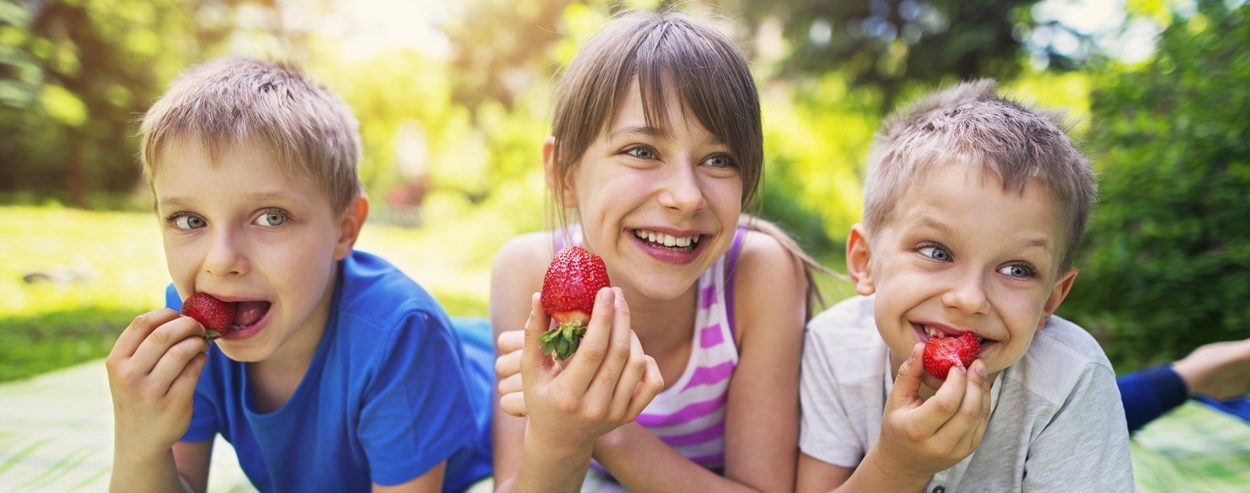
188, 171
969, 201
661, 116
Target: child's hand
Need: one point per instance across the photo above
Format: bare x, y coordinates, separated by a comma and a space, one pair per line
153, 369
922, 437
605, 384
509, 347
1219, 369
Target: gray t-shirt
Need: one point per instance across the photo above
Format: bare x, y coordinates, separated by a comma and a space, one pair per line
1056, 420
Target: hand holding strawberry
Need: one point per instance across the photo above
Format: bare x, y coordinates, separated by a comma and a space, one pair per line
920, 437
152, 370
569, 287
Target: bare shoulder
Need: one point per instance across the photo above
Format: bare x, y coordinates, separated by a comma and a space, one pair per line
516, 273
770, 286
763, 260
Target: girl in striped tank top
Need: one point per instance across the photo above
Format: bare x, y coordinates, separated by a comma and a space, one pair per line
687, 378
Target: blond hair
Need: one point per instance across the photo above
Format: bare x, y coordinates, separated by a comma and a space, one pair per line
234, 101
969, 123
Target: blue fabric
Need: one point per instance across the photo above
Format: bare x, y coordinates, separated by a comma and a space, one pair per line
388, 395
1148, 394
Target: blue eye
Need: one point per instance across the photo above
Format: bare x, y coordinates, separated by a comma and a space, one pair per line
1018, 270
641, 152
272, 218
720, 161
935, 252
185, 221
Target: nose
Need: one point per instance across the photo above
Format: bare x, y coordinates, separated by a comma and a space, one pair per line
681, 190
968, 295
225, 256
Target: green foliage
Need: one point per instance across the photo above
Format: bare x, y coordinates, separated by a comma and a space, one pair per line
1168, 253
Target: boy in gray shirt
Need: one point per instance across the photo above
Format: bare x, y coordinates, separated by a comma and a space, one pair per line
973, 209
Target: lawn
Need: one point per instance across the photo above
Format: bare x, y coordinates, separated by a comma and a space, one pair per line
70, 280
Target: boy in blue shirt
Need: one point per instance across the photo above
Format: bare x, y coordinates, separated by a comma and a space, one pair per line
338, 372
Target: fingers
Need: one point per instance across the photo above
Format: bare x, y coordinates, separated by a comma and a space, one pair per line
936, 411
651, 385
513, 383
508, 364
513, 404
631, 376
594, 346
620, 346
162, 339
134, 334
535, 325
184, 385
907, 384
173, 363
510, 341
972, 411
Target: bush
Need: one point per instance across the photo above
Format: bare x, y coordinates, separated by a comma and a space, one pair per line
1165, 264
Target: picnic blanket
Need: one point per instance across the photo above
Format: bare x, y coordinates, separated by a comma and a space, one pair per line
1195, 447
56, 435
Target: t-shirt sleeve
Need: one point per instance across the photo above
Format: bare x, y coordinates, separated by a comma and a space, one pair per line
1148, 394
826, 432
417, 410
1086, 442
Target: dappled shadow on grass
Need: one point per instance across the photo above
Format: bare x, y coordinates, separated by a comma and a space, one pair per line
30, 345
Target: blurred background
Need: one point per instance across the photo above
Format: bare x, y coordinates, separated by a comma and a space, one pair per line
454, 101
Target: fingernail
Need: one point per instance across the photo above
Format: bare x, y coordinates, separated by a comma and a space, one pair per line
605, 296
980, 369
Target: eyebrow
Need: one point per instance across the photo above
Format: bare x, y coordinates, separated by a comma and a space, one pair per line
930, 222
654, 132
257, 197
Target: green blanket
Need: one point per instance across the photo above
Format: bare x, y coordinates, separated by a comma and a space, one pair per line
1193, 448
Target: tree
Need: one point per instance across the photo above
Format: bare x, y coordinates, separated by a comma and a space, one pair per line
1167, 263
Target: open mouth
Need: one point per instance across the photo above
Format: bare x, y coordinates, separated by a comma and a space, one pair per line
669, 242
931, 332
248, 314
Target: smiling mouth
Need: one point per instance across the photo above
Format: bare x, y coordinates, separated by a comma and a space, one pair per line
936, 333
667, 241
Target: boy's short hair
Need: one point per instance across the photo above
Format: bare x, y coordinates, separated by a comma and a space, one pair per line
233, 101
969, 123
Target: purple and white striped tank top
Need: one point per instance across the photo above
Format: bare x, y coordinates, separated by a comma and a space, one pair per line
689, 415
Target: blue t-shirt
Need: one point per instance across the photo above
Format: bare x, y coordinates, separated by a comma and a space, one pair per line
388, 395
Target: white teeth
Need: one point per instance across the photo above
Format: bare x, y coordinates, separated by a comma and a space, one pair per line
666, 239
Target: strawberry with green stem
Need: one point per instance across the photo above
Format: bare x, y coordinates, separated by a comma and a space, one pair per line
573, 279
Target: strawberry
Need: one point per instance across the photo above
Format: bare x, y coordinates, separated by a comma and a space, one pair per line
217, 316
573, 279
943, 353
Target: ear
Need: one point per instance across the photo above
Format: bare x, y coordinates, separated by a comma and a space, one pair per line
557, 184
1057, 294
859, 260
349, 226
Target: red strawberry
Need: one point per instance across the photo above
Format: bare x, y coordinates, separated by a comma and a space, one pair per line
943, 353
214, 314
573, 279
